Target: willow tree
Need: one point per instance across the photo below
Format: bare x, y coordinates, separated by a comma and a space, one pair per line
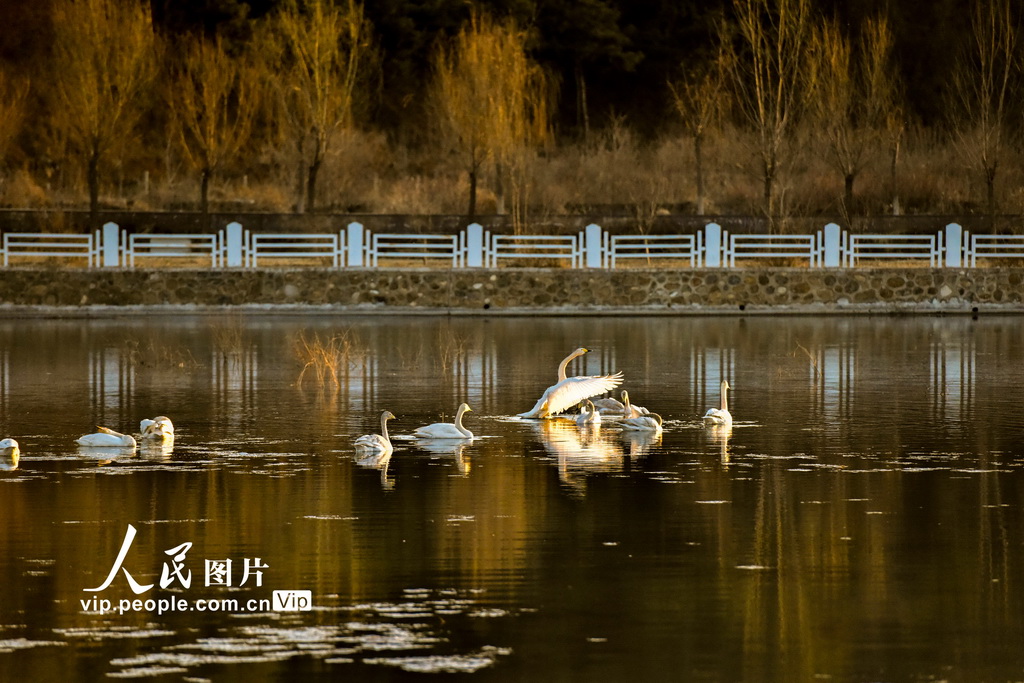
103, 62
853, 96
214, 99
770, 78
322, 48
494, 104
982, 88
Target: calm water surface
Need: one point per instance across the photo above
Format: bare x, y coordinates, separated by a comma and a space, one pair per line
862, 521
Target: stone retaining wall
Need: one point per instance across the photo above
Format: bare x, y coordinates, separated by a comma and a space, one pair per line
520, 290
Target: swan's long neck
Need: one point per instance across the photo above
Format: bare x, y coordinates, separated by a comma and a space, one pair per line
565, 363
384, 427
725, 400
458, 419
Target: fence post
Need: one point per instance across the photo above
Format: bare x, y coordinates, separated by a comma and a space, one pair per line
233, 242
712, 245
592, 246
474, 245
354, 242
833, 246
111, 245
954, 245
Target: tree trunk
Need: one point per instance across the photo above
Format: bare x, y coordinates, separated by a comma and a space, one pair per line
897, 210
848, 192
204, 191
316, 161
499, 189
314, 169
582, 111
93, 180
769, 199
990, 196
471, 210
698, 164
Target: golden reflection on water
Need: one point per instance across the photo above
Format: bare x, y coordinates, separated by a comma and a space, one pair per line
868, 495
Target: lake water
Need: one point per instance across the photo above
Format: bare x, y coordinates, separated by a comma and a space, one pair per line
863, 520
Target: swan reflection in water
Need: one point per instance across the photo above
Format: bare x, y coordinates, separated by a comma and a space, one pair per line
640, 443
580, 452
718, 435
157, 450
449, 448
378, 461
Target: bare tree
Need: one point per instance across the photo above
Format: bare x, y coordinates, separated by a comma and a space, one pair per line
323, 48
853, 95
982, 88
104, 60
215, 98
770, 78
494, 103
698, 100
885, 104
895, 130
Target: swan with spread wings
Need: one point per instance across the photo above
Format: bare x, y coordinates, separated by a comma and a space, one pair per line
569, 391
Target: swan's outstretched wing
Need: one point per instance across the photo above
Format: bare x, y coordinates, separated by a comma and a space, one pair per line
570, 391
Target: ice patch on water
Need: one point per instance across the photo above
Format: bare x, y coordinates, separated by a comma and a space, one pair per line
467, 663
12, 644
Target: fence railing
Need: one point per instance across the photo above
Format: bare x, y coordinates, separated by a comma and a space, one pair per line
474, 247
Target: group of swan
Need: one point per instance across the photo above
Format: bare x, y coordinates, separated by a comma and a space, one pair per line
556, 399
570, 391
159, 429
380, 444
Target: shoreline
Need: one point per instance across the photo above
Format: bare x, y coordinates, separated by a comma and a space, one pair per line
288, 310
93, 293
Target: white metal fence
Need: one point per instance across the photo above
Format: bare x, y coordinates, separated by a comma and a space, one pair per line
475, 247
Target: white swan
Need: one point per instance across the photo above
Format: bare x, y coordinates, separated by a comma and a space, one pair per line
10, 453
719, 416
571, 390
608, 406
630, 410
378, 444
590, 417
106, 438
447, 430
159, 428
614, 407
651, 422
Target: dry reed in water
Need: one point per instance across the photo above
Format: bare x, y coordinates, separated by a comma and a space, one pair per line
327, 358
